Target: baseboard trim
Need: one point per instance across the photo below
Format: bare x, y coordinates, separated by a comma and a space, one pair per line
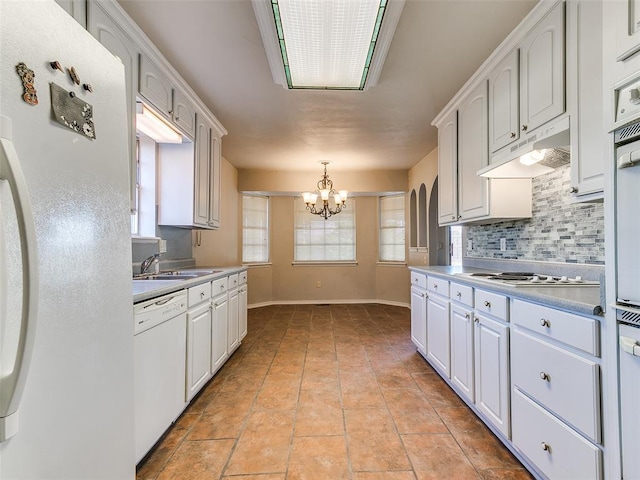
327, 302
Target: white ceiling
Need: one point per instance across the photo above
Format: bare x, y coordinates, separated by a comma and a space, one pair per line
217, 48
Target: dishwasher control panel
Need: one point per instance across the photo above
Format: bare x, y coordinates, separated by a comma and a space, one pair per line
154, 312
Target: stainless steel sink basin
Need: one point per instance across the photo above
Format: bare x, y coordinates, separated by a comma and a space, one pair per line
177, 275
198, 271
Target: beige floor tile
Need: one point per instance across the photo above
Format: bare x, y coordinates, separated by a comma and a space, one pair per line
319, 458
377, 453
368, 421
198, 460
438, 456
436, 390
267, 476
412, 412
408, 475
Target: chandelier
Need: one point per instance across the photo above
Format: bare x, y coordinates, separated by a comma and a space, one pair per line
325, 190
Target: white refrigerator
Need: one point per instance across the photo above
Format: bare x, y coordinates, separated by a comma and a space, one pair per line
66, 327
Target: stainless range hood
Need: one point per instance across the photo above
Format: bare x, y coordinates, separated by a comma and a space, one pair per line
506, 162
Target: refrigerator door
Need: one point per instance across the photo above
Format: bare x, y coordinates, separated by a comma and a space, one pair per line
76, 411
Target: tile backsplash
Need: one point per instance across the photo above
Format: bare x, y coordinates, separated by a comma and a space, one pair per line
559, 231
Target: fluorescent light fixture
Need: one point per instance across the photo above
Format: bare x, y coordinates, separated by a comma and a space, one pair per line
155, 127
533, 157
322, 44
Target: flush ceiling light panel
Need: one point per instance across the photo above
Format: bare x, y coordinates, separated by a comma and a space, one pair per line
327, 44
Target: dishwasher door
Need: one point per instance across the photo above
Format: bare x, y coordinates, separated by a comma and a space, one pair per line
629, 395
160, 353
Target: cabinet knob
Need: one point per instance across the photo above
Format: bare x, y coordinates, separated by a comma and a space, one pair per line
476, 319
512, 135
545, 446
422, 295
573, 190
453, 217
177, 118
487, 303
466, 315
458, 294
435, 285
544, 323
524, 128
545, 376
201, 294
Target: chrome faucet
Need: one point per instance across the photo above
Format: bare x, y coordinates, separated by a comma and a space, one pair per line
147, 262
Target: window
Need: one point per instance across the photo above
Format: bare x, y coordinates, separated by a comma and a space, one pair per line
320, 240
143, 220
255, 229
392, 242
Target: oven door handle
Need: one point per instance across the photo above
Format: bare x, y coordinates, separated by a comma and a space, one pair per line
630, 346
629, 159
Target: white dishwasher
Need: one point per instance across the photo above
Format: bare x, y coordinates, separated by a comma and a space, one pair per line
160, 347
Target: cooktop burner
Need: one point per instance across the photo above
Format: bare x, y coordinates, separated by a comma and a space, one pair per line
523, 279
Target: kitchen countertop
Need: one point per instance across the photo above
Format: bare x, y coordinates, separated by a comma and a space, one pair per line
581, 300
148, 289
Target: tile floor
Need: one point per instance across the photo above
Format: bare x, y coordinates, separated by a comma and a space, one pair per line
328, 392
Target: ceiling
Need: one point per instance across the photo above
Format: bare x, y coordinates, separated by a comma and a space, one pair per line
217, 48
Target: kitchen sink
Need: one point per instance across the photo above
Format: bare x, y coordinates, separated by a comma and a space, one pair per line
177, 275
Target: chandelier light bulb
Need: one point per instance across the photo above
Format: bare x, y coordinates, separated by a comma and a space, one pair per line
325, 190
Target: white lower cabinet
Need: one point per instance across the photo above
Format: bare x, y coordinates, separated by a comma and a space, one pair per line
491, 340
554, 448
438, 333
462, 375
419, 312
242, 310
219, 323
233, 328
198, 339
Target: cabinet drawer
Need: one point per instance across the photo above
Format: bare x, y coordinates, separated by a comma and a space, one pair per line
491, 303
199, 293
233, 281
438, 285
219, 286
563, 382
461, 293
567, 454
579, 332
419, 280
243, 277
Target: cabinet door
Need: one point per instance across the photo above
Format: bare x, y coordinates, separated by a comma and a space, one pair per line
584, 76
198, 349
627, 16
113, 38
542, 71
215, 182
77, 9
155, 87
448, 170
233, 329
242, 311
201, 194
473, 154
184, 113
219, 324
462, 350
492, 371
438, 336
419, 319
503, 103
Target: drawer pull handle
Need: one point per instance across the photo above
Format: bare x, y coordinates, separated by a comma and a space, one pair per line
546, 447
545, 376
545, 323
487, 303
458, 294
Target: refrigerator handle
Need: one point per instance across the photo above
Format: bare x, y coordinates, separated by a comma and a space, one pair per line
14, 374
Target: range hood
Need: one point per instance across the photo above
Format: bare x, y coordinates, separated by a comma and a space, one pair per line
506, 163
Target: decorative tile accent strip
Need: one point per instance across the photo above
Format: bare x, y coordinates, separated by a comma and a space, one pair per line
559, 231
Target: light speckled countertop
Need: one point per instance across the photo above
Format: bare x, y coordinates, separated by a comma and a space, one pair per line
148, 289
582, 300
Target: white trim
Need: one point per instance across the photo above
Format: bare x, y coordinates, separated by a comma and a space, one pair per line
391, 264
138, 239
328, 302
257, 264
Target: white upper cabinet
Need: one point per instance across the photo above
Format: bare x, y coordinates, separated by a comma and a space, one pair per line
448, 170
155, 87
77, 9
473, 154
202, 163
627, 20
107, 31
504, 111
584, 78
542, 71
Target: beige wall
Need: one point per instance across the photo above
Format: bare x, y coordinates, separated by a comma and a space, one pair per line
222, 247
425, 172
